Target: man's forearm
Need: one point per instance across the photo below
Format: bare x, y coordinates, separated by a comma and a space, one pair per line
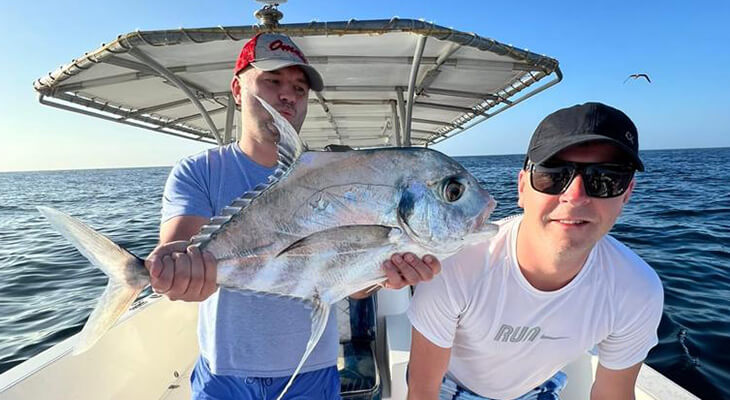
423, 393
595, 395
615, 384
427, 367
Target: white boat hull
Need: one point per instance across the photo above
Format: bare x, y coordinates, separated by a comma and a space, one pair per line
150, 353
137, 359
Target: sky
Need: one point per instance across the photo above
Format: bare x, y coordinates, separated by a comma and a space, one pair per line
683, 46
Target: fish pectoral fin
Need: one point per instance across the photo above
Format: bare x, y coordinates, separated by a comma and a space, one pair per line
345, 238
320, 315
373, 288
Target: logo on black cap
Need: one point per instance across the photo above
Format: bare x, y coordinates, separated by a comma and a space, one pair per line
629, 137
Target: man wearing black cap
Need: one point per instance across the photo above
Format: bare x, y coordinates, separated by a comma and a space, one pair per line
505, 317
250, 345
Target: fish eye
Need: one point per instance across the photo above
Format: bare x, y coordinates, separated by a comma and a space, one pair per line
453, 190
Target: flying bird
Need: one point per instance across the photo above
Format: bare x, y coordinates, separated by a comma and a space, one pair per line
637, 76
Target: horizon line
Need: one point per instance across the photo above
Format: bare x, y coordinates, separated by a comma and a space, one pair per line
170, 166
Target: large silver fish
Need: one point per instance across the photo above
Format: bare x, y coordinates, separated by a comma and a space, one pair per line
317, 232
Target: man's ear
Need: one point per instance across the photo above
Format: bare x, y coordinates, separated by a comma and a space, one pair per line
629, 191
521, 182
236, 90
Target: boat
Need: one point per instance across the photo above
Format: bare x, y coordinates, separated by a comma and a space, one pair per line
389, 82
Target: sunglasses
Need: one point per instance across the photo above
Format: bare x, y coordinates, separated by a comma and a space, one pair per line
601, 180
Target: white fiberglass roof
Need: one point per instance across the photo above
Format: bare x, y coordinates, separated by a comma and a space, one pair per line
163, 80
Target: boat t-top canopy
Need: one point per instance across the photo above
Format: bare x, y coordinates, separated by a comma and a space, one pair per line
396, 82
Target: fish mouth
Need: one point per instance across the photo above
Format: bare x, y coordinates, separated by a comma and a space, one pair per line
482, 220
486, 231
482, 231
483, 228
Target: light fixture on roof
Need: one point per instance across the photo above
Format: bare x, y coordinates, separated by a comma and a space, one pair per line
269, 15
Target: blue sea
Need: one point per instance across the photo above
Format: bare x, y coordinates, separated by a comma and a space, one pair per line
678, 220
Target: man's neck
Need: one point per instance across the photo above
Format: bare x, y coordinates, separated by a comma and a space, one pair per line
545, 268
262, 153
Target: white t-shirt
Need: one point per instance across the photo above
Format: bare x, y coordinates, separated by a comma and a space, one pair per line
507, 337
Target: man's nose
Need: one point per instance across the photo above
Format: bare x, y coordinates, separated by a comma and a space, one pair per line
576, 191
287, 93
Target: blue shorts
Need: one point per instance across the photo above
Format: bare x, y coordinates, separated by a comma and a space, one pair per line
549, 390
320, 384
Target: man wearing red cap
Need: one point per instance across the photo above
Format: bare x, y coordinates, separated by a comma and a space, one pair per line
506, 316
249, 344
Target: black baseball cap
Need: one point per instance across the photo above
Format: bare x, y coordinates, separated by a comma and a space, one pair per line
584, 123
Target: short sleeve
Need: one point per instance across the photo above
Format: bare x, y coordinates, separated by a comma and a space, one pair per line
636, 328
437, 305
187, 191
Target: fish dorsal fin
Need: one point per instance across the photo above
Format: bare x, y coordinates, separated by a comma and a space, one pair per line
290, 144
290, 148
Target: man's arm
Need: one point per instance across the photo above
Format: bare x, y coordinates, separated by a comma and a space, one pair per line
426, 368
405, 269
615, 384
178, 270
181, 228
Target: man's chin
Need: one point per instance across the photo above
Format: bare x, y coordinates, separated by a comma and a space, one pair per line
571, 244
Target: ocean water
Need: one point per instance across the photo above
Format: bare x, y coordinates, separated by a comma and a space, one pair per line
678, 220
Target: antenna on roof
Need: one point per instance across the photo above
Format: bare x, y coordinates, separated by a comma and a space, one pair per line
269, 15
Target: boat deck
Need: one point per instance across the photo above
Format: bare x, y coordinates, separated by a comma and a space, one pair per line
150, 354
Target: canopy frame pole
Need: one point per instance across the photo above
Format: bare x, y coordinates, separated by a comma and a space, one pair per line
430, 76
230, 113
383, 132
485, 115
159, 107
190, 117
401, 112
396, 123
61, 106
330, 117
438, 123
447, 107
147, 72
160, 69
412, 87
462, 94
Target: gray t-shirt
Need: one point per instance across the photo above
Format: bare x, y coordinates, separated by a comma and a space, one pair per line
240, 333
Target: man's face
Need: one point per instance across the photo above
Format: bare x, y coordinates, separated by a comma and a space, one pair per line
571, 221
285, 89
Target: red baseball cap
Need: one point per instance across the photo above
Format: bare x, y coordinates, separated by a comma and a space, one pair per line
272, 51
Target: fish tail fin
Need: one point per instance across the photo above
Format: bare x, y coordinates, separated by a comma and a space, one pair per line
126, 272
113, 303
320, 315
